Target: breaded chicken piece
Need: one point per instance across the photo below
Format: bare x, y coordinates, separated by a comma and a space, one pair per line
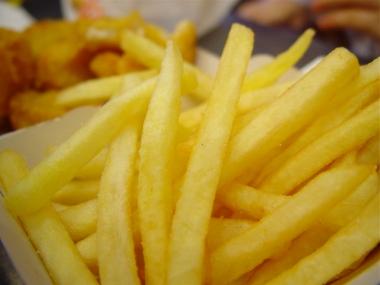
16, 67
31, 107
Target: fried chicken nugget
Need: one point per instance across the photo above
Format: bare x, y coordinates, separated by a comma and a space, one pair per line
31, 107
16, 68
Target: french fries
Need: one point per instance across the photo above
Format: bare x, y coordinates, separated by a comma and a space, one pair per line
330, 120
270, 73
302, 246
279, 185
202, 175
250, 201
156, 157
80, 220
97, 91
289, 114
324, 150
343, 249
243, 253
77, 192
47, 232
151, 55
115, 244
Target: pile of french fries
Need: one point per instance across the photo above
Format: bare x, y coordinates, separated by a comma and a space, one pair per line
262, 183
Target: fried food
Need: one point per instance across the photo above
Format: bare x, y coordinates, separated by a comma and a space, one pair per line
309, 220
16, 68
31, 107
57, 54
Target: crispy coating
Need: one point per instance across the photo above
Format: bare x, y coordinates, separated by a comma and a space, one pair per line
53, 55
16, 69
31, 107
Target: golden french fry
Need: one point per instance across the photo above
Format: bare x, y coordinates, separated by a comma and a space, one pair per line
94, 168
47, 233
97, 91
346, 210
371, 71
339, 216
248, 250
12, 168
151, 55
324, 150
156, 173
59, 207
88, 252
185, 36
201, 178
345, 160
222, 230
80, 220
156, 34
344, 248
326, 122
76, 192
292, 111
252, 101
255, 99
370, 152
115, 244
51, 174
248, 200
302, 246
270, 73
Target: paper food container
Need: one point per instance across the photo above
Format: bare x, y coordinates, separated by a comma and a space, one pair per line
32, 144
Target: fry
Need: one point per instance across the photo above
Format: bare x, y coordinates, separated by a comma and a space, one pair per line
151, 55
155, 33
51, 174
12, 168
185, 36
292, 111
222, 230
250, 201
248, 250
62, 165
76, 192
350, 207
345, 160
304, 245
324, 150
48, 234
202, 174
190, 119
370, 152
115, 245
94, 168
262, 97
80, 220
156, 174
344, 248
270, 73
330, 120
97, 91
87, 250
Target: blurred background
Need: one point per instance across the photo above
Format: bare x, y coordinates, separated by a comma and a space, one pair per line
49, 46
350, 23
